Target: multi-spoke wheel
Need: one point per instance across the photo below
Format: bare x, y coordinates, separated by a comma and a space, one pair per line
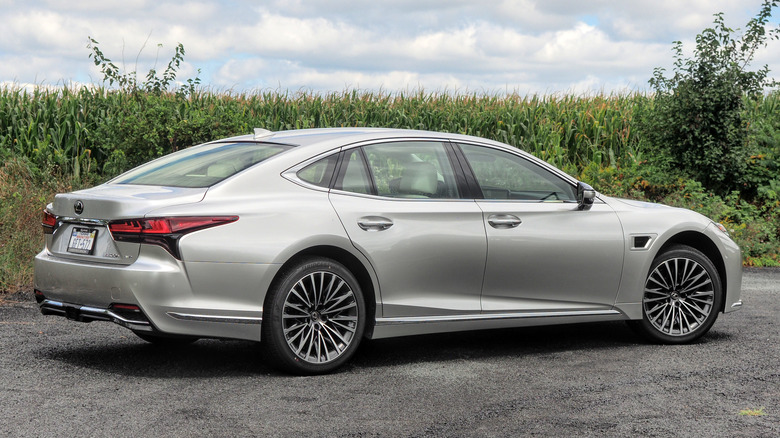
313, 318
682, 296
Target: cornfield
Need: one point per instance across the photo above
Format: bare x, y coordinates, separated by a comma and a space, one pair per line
93, 130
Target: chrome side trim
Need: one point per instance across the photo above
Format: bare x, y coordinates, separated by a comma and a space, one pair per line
737, 305
215, 318
489, 316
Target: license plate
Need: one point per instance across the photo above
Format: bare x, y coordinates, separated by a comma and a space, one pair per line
82, 240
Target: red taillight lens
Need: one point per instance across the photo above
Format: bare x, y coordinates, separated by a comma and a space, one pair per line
171, 225
178, 225
49, 222
128, 226
164, 231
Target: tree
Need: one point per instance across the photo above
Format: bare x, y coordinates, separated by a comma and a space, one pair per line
153, 84
697, 119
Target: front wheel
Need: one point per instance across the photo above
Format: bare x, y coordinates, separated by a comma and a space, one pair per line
682, 297
313, 318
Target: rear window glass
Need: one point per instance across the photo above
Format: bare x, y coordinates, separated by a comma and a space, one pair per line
320, 172
201, 166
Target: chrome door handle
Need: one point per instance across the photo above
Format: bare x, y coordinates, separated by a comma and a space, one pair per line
503, 221
374, 223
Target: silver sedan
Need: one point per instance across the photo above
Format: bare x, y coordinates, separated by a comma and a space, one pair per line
311, 240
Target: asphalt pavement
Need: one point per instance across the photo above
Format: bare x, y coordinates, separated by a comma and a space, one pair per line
60, 378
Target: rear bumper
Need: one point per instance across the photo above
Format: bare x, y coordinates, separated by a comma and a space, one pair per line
201, 299
137, 322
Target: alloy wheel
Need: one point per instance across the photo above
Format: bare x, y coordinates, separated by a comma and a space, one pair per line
320, 317
679, 296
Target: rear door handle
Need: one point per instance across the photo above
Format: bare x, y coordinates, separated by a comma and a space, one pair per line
503, 221
374, 223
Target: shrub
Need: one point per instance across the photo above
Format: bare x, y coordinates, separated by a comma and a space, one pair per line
698, 116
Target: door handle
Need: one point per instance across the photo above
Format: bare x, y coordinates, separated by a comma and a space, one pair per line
374, 223
503, 221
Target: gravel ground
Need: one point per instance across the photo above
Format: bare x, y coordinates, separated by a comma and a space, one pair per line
61, 378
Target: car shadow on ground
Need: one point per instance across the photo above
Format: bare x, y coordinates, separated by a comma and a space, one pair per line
210, 357
205, 358
485, 344
129, 355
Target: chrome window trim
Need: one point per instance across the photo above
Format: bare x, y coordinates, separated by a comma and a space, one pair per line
531, 201
399, 199
291, 174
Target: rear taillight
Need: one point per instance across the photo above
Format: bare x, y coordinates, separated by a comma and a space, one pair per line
164, 231
49, 222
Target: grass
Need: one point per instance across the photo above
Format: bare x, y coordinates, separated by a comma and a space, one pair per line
24, 192
753, 412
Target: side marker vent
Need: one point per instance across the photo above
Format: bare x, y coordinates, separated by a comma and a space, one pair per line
641, 242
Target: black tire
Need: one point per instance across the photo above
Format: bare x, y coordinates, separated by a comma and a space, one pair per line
313, 318
166, 340
682, 297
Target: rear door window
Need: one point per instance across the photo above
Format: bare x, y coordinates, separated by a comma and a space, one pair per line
320, 172
413, 170
353, 176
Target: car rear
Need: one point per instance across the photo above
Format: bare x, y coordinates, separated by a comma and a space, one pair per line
109, 257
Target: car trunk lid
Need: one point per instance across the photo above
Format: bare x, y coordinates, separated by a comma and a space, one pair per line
82, 219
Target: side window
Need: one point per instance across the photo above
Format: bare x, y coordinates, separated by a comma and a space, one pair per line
502, 175
412, 170
353, 176
320, 172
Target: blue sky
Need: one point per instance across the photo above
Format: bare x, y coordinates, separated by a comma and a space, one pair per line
523, 46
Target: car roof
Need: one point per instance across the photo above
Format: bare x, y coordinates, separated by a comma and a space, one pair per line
307, 137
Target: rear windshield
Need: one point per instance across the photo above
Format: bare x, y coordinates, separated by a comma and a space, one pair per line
201, 166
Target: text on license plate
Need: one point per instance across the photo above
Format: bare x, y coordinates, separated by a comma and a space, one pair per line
82, 240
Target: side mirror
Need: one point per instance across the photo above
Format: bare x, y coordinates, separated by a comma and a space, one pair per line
585, 196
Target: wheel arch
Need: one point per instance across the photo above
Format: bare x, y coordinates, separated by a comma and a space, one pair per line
701, 242
352, 263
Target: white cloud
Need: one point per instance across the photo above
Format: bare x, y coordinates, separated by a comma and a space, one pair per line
534, 45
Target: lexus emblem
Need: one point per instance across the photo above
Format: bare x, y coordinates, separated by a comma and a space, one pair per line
78, 207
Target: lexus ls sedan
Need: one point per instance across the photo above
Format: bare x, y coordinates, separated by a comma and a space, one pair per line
310, 240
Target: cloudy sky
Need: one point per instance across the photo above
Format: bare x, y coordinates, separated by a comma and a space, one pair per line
524, 46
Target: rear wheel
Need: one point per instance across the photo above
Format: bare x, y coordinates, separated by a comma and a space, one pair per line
313, 318
682, 297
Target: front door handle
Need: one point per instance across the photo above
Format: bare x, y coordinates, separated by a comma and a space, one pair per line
503, 221
374, 223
